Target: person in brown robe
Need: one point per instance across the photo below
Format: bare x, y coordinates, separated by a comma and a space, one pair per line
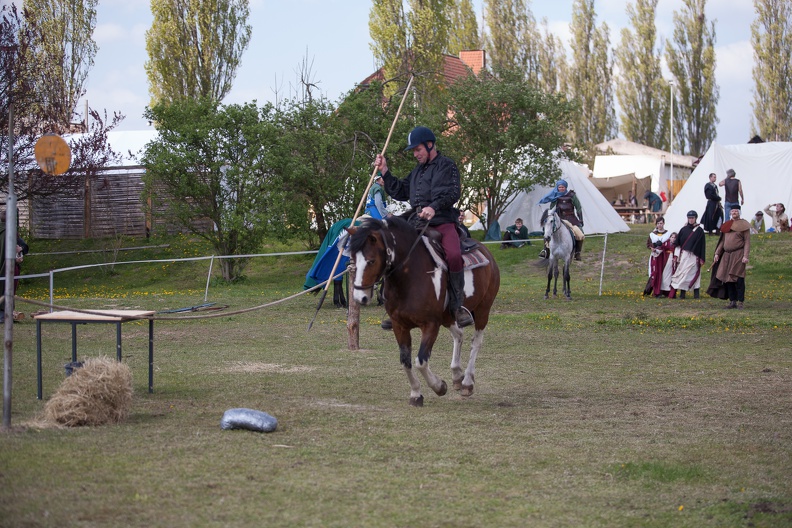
731, 256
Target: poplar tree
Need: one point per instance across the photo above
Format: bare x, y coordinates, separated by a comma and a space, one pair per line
464, 34
511, 39
691, 60
771, 37
552, 65
643, 93
195, 48
591, 76
412, 41
65, 51
389, 37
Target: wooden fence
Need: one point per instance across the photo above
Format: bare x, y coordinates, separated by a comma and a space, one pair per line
109, 204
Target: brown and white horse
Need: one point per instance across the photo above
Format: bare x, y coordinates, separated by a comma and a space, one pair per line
415, 297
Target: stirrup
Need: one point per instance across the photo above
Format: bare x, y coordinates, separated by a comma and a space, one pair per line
463, 317
543, 253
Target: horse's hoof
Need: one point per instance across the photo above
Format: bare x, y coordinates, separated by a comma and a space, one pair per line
547, 296
417, 402
467, 390
443, 389
458, 384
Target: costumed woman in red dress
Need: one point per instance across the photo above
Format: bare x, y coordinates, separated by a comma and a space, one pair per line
658, 259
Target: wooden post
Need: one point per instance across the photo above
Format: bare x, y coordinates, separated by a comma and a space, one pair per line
353, 313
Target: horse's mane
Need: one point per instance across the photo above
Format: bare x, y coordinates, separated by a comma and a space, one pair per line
545, 214
394, 224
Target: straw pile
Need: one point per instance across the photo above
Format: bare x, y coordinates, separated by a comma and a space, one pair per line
98, 393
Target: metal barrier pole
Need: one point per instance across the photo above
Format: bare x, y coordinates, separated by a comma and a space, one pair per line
602, 267
52, 288
206, 291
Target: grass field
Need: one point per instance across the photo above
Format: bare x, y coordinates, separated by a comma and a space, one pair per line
609, 410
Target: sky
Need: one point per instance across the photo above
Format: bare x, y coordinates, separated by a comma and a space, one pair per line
332, 37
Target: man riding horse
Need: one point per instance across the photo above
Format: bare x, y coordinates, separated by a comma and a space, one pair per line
569, 209
432, 189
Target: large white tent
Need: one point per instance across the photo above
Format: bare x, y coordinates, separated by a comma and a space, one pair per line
764, 169
599, 216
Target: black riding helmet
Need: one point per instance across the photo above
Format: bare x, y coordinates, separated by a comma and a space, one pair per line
420, 136
692, 214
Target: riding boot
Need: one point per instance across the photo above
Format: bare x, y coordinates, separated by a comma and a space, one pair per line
696, 293
339, 299
578, 248
456, 296
545, 251
682, 294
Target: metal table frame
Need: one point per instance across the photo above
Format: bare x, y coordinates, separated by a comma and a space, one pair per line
117, 317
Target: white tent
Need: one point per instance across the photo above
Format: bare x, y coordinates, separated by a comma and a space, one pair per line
764, 169
599, 216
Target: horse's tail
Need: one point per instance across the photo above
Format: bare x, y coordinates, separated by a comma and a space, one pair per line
541, 263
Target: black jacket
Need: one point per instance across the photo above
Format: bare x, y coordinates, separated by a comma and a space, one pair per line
434, 184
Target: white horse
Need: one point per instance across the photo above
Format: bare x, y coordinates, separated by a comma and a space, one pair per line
562, 246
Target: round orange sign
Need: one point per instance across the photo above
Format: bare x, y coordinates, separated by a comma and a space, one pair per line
53, 154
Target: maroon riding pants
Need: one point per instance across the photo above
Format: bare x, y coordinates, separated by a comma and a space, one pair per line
451, 247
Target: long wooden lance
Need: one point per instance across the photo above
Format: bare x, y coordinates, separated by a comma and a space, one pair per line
362, 200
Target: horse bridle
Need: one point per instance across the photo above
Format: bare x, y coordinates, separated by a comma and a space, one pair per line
389, 267
555, 227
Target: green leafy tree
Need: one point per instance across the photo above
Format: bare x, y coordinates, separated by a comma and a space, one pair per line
552, 65
642, 92
506, 135
511, 37
464, 34
326, 156
66, 47
195, 47
771, 37
411, 42
215, 163
691, 60
591, 76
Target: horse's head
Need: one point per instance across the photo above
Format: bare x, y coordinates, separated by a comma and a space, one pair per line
370, 253
549, 222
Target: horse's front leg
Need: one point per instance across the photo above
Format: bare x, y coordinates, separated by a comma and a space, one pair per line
549, 279
567, 282
457, 374
428, 337
555, 279
405, 357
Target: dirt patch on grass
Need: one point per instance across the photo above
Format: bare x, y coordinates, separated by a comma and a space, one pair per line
254, 367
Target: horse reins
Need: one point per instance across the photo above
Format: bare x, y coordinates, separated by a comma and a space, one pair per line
389, 268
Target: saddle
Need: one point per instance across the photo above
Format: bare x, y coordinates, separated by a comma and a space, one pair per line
472, 257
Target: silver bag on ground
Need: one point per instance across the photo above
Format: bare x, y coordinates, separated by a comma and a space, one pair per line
249, 419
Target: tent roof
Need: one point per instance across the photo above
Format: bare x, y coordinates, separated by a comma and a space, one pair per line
623, 147
765, 170
599, 216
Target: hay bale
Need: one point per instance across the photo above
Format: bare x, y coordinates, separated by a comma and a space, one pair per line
98, 393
